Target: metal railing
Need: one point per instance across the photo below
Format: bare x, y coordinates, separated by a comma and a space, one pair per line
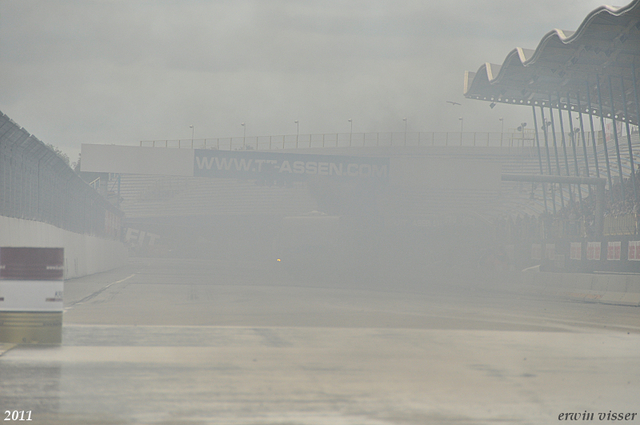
345, 140
626, 224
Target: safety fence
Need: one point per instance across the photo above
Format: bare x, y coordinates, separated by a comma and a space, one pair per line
36, 184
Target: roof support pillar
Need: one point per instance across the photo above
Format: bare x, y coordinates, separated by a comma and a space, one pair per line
599, 213
604, 135
575, 154
535, 125
615, 139
564, 146
584, 140
593, 131
635, 91
631, 162
546, 147
555, 147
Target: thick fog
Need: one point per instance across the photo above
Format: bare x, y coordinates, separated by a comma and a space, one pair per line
120, 72
337, 285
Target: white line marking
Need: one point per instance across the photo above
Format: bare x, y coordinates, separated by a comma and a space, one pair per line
88, 297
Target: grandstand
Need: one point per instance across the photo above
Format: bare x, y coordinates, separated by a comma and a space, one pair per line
590, 74
152, 196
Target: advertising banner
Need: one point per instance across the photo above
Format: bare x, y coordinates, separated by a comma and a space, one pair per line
593, 251
273, 166
576, 251
634, 251
613, 250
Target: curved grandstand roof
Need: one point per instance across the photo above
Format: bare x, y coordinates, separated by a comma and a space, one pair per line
566, 67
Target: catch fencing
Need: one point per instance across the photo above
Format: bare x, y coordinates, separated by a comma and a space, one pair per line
36, 184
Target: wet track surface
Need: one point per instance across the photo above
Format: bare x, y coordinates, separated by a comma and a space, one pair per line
193, 342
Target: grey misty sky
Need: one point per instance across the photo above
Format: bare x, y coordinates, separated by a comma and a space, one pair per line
123, 71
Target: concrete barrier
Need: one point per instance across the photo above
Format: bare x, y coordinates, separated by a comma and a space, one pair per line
603, 288
83, 254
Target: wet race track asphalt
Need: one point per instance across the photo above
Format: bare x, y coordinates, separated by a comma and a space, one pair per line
196, 342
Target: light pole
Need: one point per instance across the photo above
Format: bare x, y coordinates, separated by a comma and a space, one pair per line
350, 131
405, 131
501, 129
244, 136
192, 132
521, 130
297, 131
461, 128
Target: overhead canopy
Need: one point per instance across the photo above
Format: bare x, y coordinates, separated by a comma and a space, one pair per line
566, 67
